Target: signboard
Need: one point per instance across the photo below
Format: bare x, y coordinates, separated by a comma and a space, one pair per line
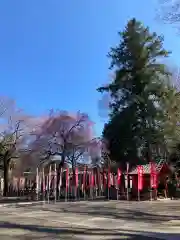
128, 182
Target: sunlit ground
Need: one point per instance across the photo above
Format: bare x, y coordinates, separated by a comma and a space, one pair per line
91, 220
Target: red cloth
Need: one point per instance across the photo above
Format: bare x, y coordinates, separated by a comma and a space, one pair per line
118, 176
76, 177
140, 177
153, 175
109, 178
84, 178
67, 178
105, 179
92, 179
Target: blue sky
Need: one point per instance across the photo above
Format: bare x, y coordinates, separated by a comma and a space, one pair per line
53, 52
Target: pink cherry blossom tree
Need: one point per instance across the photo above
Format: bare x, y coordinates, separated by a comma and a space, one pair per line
65, 135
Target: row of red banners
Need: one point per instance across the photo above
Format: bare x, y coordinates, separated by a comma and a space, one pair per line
110, 179
88, 177
105, 179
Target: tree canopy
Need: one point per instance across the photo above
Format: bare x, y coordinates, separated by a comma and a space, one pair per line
144, 104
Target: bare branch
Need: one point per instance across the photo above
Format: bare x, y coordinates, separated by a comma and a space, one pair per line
15, 131
64, 134
169, 11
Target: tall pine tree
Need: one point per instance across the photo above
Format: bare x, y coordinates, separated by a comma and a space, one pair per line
136, 117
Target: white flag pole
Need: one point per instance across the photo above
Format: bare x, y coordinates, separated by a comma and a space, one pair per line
60, 183
44, 186
127, 174
49, 187
40, 185
55, 183
37, 184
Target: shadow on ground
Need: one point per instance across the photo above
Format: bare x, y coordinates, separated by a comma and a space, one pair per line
108, 211
33, 232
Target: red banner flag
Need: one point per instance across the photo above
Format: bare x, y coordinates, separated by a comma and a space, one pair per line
95, 179
49, 177
92, 179
104, 179
76, 177
113, 179
140, 178
109, 178
100, 180
60, 180
22, 182
44, 181
84, 179
67, 178
89, 179
55, 178
118, 176
153, 175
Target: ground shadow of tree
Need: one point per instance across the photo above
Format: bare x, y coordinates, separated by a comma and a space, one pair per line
72, 233
108, 212
126, 214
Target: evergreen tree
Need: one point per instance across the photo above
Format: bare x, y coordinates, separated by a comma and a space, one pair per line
137, 113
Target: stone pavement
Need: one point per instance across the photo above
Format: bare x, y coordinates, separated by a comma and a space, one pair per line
91, 220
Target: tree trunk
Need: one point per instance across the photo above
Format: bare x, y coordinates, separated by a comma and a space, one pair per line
148, 154
6, 177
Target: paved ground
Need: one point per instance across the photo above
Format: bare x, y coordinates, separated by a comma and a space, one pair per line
91, 220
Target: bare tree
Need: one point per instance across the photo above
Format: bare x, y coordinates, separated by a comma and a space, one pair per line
95, 152
65, 135
14, 133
